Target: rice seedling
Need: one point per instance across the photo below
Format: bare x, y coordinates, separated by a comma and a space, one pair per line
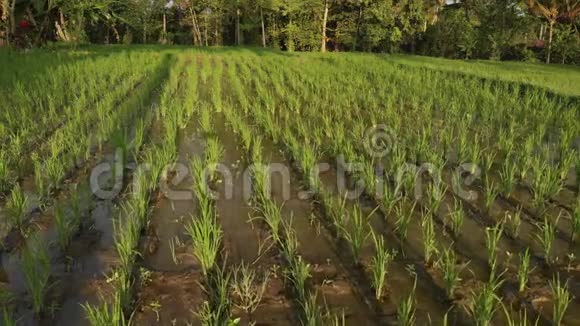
200, 185
406, 309
271, 214
577, 167
289, 244
524, 270
76, 199
337, 211
300, 273
546, 183
36, 268
429, 241
490, 193
4, 174
507, 175
492, 237
7, 317
521, 320
391, 196
206, 236
64, 226
16, 207
380, 266
512, 223
561, 297
436, 196
213, 154
105, 314
208, 316
313, 314
488, 160
127, 231
403, 220
217, 288
358, 232
451, 272
308, 158
205, 120
138, 137
485, 302
120, 140
409, 183
475, 152
455, 218
248, 288
545, 236
368, 176
566, 163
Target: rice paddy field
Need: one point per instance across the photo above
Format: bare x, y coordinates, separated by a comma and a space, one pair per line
179, 186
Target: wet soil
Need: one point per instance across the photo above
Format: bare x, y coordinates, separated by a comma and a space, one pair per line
330, 278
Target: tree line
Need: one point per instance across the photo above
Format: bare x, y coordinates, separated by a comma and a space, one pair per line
488, 29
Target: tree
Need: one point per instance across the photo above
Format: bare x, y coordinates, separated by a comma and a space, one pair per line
377, 28
145, 16
190, 8
324, 22
3, 21
553, 11
7, 13
452, 35
566, 43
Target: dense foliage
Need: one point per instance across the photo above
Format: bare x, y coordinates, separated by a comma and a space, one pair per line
489, 29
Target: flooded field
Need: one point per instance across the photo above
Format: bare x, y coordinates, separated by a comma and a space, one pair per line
246, 187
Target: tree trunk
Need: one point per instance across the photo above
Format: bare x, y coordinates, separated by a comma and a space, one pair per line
550, 36
205, 28
193, 32
197, 30
194, 28
164, 36
238, 35
4, 19
290, 34
217, 33
263, 27
116, 32
324, 20
12, 21
61, 29
358, 23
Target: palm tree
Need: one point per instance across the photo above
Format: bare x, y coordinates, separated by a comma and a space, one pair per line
553, 11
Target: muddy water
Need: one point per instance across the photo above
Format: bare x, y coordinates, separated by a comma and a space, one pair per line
430, 300
170, 215
330, 278
93, 258
538, 295
43, 228
233, 209
172, 291
522, 197
245, 241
